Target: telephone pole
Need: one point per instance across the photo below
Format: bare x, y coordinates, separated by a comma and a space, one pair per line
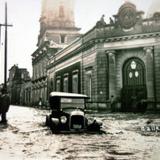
6, 25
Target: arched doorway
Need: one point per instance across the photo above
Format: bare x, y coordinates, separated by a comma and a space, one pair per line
134, 85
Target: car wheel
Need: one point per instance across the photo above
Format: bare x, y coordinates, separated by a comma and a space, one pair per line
47, 121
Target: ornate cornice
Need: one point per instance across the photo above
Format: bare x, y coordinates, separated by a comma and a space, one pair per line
92, 42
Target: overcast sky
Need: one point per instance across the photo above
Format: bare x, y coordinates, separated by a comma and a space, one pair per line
25, 14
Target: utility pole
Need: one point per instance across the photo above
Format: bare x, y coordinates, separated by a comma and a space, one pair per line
5, 49
2, 25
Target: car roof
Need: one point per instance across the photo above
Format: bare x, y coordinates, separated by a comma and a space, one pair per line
67, 95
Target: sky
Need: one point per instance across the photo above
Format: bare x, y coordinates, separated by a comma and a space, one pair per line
24, 16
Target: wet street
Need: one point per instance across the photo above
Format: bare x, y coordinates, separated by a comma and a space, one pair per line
26, 138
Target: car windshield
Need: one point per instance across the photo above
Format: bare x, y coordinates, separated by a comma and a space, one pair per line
72, 103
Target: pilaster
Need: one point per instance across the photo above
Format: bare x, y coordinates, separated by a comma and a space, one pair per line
111, 73
149, 72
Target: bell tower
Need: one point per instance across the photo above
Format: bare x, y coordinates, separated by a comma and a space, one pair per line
57, 23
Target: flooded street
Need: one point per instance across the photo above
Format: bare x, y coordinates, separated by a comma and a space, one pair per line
26, 138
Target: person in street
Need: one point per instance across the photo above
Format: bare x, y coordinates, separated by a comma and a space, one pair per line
40, 102
4, 106
0, 101
112, 100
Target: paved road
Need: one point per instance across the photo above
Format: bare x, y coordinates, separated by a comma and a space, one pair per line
26, 138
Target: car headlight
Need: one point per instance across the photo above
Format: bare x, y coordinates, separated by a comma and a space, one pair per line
63, 119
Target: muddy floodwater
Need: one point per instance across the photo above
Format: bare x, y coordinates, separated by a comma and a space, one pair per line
128, 137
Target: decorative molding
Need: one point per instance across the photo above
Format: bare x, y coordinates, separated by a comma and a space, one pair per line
110, 52
66, 75
127, 16
148, 49
136, 43
75, 71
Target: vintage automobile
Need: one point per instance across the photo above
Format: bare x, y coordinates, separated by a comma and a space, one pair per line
68, 114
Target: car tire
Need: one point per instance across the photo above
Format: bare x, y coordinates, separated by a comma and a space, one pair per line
54, 128
47, 121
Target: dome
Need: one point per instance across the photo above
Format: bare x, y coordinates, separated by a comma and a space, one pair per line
154, 7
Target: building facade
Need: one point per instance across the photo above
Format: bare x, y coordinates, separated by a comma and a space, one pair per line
25, 93
18, 78
57, 30
117, 64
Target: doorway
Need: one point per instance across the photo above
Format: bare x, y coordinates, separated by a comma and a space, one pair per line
134, 90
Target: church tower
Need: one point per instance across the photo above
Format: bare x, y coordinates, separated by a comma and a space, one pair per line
57, 23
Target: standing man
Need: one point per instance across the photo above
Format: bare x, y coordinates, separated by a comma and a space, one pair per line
5, 103
0, 101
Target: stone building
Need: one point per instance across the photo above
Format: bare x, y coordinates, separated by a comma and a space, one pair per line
25, 93
18, 78
117, 64
57, 30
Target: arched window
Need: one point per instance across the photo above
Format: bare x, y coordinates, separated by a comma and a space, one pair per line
89, 83
65, 84
75, 81
134, 72
58, 84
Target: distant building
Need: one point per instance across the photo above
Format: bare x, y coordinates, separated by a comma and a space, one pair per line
18, 77
117, 64
57, 30
25, 93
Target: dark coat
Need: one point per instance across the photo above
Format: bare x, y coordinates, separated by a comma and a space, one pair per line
5, 102
0, 102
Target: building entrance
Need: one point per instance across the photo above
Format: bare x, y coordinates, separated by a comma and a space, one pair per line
134, 86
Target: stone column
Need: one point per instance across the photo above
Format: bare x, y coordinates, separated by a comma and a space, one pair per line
112, 73
149, 72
